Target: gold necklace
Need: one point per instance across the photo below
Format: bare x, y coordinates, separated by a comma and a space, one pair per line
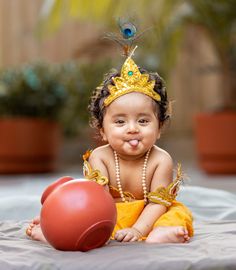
144, 171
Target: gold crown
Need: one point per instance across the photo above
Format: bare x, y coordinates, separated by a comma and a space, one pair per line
131, 80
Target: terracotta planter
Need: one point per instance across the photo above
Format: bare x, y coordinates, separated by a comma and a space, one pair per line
28, 145
216, 142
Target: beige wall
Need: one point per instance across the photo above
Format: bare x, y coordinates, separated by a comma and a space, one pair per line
195, 82
20, 43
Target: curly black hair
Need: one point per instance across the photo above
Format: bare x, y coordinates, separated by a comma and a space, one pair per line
97, 110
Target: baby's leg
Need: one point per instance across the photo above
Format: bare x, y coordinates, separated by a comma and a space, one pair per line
168, 234
34, 230
175, 226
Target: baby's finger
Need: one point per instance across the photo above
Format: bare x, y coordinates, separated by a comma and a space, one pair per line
134, 239
119, 236
128, 237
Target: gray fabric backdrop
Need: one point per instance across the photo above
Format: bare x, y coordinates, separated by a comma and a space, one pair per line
212, 247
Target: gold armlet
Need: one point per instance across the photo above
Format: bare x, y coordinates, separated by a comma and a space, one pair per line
166, 195
90, 174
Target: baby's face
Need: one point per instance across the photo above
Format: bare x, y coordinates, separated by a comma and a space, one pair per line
130, 124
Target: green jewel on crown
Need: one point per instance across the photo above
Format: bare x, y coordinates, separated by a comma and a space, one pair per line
130, 73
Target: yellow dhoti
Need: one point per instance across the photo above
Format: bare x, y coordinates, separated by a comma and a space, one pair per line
176, 215
128, 212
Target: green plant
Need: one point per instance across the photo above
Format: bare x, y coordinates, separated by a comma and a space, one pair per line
58, 92
33, 90
80, 79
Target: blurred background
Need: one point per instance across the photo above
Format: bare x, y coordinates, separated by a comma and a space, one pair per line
53, 54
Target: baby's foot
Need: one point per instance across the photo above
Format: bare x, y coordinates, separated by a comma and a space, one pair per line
172, 234
34, 230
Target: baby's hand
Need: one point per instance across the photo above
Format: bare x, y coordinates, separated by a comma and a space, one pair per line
128, 235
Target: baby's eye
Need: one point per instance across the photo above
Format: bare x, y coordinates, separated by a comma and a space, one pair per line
143, 121
119, 122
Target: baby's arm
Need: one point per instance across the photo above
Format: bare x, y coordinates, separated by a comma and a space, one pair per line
163, 176
96, 162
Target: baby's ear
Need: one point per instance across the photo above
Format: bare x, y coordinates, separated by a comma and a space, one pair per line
159, 131
104, 137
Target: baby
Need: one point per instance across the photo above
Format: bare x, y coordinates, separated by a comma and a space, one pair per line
129, 109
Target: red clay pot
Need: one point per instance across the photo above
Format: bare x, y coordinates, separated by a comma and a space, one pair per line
28, 145
77, 215
216, 142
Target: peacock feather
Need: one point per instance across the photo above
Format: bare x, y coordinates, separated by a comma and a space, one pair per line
126, 37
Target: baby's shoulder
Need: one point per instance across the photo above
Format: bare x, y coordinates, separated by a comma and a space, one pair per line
161, 156
100, 153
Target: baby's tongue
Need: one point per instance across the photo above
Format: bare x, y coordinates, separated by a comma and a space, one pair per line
133, 142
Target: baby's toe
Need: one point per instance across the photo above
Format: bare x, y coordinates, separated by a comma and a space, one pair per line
181, 231
185, 231
187, 238
28, 231
36, 220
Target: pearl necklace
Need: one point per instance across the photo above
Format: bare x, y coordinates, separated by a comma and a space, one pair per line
144, 170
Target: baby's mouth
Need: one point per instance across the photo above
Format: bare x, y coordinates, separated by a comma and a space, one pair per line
133, 142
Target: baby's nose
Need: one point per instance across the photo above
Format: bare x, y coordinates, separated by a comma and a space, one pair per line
133, 128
